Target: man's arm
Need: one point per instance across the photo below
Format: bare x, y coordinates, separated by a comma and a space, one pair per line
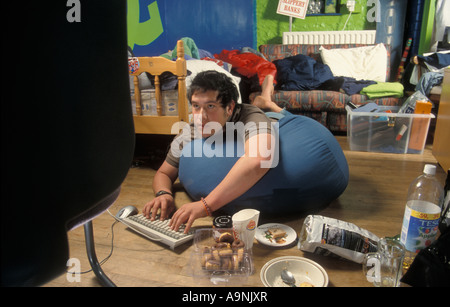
245, 173
163, 181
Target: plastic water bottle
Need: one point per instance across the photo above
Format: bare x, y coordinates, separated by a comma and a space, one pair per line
422, 213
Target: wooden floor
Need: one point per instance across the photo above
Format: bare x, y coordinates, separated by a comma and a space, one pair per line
374, 200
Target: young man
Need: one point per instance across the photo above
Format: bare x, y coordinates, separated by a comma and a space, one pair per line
213, 98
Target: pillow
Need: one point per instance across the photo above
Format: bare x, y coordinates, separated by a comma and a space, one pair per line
196, 66
361, 63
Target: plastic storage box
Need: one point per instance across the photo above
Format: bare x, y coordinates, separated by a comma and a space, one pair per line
227, 272
387, 132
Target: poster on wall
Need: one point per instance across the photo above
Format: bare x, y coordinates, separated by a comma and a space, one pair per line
293, 8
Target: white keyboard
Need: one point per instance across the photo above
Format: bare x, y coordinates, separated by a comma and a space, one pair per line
158, 230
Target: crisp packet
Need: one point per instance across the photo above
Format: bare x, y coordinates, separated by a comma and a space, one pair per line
332, 237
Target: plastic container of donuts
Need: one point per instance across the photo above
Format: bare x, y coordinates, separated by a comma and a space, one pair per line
220, 259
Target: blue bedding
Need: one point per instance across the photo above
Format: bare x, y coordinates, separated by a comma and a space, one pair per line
301, 72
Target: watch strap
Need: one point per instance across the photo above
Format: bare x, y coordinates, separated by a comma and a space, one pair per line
162, 192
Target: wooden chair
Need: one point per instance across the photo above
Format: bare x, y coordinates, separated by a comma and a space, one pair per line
161, 124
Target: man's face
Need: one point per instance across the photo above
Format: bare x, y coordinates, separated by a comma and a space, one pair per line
207, 109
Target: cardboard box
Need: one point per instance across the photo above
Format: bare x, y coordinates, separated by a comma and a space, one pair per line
148, 102
169, 102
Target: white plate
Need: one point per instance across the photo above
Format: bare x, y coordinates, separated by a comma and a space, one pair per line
262, 238
303, 269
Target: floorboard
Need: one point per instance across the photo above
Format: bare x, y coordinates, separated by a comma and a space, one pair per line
374, 200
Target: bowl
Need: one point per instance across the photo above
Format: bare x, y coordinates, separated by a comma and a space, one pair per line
305, 271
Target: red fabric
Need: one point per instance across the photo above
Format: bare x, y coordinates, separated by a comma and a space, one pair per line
248, 64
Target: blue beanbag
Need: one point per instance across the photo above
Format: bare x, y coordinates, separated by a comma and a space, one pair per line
311, 172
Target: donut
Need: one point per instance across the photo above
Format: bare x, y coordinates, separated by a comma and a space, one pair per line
240, 254
225, 252
237, 244
221, 245
215, 254
212, 264
227, 264
205, 258
226, 237
236, 262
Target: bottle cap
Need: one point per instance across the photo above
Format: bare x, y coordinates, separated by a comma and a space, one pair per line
429, 169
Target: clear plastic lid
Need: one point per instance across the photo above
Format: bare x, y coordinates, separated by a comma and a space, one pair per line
229, 266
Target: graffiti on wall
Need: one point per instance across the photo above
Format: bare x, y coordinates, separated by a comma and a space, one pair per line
154, 26
146, 31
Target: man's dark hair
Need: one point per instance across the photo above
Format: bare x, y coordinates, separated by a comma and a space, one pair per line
214, 81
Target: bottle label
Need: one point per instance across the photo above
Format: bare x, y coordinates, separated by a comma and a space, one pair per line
419, 228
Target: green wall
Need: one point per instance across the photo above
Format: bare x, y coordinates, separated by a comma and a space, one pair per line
270, 25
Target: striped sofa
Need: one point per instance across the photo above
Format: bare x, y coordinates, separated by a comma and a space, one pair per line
327, 107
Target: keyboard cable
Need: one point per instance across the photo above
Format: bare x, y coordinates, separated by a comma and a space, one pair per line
111, 251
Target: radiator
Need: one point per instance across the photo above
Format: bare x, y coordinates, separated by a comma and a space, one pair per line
330, 37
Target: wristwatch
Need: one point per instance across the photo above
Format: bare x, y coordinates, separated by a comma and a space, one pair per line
162, 192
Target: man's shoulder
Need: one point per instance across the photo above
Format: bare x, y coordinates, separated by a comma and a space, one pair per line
249, 112
250, 108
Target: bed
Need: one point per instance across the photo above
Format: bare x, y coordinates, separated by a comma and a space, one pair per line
160, 123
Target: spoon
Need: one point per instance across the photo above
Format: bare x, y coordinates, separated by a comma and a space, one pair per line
288, 278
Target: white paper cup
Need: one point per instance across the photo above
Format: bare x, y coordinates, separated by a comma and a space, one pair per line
245, 223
